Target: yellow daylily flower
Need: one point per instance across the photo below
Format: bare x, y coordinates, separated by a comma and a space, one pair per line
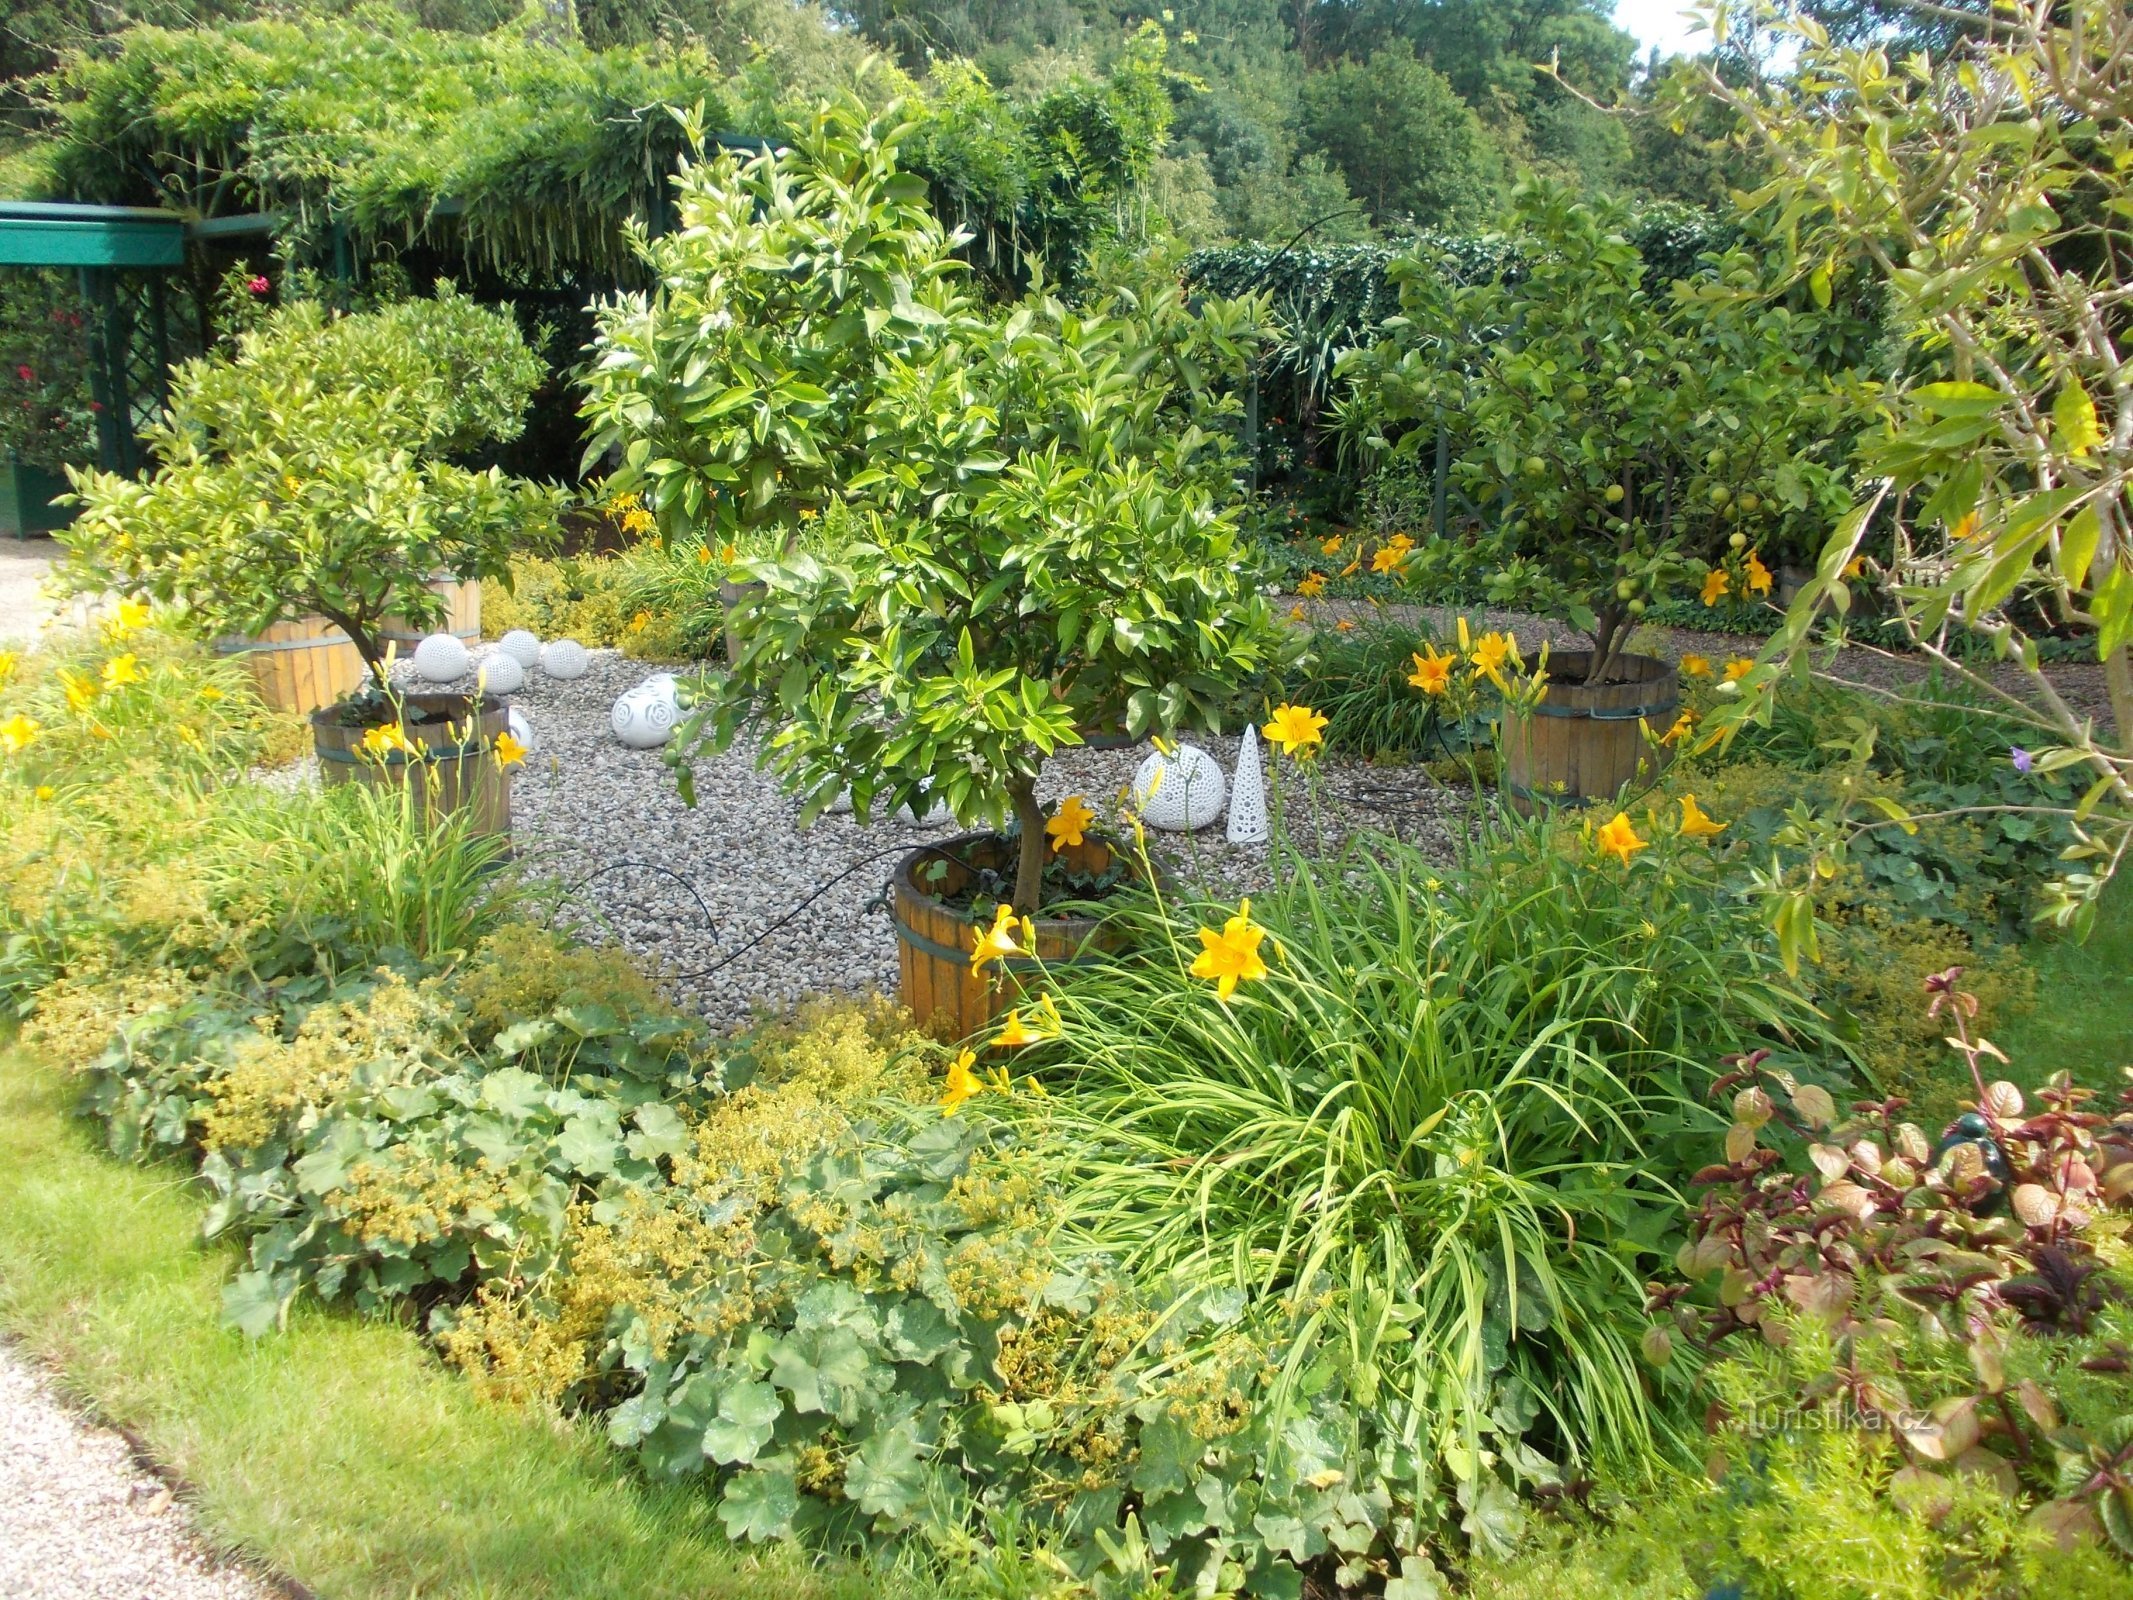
1694, 824
1695, 666
81, 690
1387, 559
509, 752
1296, 613
130, 617
1491, 651
1352, 568
1684, 725
121, 670
1297, 730
962, 1083
1856, 567
1345, 625
1738, 668
1069, 823
1330, 547
210, 693
1312, 586
1232, 956
703, 555
380, 742
45, 791
1758, 574
1400, 542
997, 942
1715, 585
1014, 1034
19, 733
1433, 671
8, 658
1619, 838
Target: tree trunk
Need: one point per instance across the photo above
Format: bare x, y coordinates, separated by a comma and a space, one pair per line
365, 641
2118, 676
1029, 867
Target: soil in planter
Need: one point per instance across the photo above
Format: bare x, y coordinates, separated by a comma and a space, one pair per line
990, 886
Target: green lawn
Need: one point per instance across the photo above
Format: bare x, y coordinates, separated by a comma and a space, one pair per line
2083, 1019
339, 1453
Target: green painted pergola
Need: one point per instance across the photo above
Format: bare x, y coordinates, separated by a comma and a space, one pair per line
124, 255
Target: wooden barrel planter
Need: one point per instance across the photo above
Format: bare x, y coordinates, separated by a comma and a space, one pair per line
462, 616
1584, 741
456, 769
304, 665
933, 942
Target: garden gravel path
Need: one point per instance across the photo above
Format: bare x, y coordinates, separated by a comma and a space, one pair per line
80, 1519
607, 823
23, 608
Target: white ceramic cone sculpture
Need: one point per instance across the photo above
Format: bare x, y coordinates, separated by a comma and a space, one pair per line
1247, 793
1179, 792
521, 727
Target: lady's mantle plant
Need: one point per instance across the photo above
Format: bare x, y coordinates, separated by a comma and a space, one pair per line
305, 474
1047, 536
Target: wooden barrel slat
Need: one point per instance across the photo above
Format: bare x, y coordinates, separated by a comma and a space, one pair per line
1586, 742
462, 615
939, 990
302, 665
464, 776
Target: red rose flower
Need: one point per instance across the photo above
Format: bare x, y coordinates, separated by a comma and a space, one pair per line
25, 374
258, 285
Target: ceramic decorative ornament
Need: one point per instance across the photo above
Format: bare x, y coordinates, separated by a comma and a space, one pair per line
1179, 792
1247, 793
521, 727
521, 646
644, 718
441, 658
564, 658
500, 673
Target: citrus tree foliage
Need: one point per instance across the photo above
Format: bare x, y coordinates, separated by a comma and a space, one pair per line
741, 391
1616, 437
301, 475
1989, 192
1044, 493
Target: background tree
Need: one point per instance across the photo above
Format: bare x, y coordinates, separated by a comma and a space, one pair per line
1410, 148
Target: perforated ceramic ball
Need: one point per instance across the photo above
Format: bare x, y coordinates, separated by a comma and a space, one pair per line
521, 646
501, 674
521, 727
564, 658
1190, 794
441, 658
644, 718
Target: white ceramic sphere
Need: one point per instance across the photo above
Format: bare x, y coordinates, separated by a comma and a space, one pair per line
522, 646
521, 727
564, 658
441, 658
644, 718
1190, 794
501, 674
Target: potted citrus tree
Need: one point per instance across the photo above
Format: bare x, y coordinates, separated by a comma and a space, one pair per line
1626, 444
306, 474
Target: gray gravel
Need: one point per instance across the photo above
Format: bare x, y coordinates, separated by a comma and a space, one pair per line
80, 1520
24, 610
608, 822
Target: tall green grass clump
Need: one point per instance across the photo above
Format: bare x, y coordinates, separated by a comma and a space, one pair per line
1438, 1139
